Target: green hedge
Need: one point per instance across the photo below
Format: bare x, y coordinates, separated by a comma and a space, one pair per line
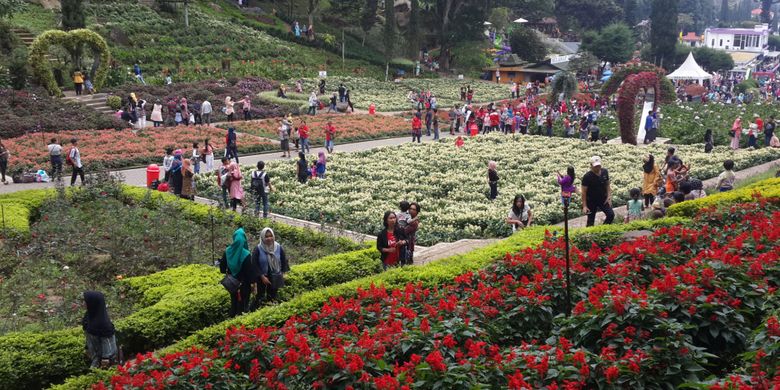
17, 210
71, 41
296, 103
769, 188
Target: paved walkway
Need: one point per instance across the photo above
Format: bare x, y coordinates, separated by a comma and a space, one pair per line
709, 185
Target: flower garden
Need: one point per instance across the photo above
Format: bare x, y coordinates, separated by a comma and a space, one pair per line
349, 128
692, 302
452, 185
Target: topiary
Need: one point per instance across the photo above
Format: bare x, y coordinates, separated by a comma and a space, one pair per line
113, 101
71, 41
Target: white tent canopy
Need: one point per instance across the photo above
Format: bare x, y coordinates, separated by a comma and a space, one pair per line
689, 70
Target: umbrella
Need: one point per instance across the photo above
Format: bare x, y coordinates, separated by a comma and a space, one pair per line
520, 20
695, 90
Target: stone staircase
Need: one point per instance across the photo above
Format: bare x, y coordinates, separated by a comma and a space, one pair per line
27, 39
425, 255
96, 102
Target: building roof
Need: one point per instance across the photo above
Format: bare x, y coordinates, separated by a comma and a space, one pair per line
743, 31
691, 37
689, 70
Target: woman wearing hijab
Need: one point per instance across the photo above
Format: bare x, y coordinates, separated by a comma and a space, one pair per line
229, 110
185, 111
651, 180
321, 165
157, 117
236, 189
237, 260
176, 173
98, 330
735, 133
187, 187
303, 168
271, 261
390, 241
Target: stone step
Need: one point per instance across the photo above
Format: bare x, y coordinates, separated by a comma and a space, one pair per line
447, 249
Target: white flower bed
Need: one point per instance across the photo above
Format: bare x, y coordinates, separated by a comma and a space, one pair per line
451, 183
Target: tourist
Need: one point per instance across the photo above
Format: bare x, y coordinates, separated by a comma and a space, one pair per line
435, 126
492, 180
271, 261
635, 207
141, 112
236, 189
205, 112
672, 180
231, 144
597, 193
284, 138
281, 92
330, 132
303, 134
520, 215
55, 156
196, 110
769, 130
78, 81
138, 74
321, 165
651, 180
568, 130
185, 111
88, 86
302, 168
177, 178
187, 181
312, 104
567, 185
735, 133
229, 109
594, 131
168, 79
322, 86
774, 142
237, 262
583, 128
99, 331
332, 106
349, 101
752, 130
223, 180
549, 124
413, 224
195, 158
404, 219
297, 30
171, 106
208, 152
4, 154
428, 122
167, 164
416, 128
74, 160
697, 188
727, 178
157, 118
709, 142
261, 187
390, 241
649, 127
246, 105
459, 142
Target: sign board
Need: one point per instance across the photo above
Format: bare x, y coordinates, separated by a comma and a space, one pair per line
323, 73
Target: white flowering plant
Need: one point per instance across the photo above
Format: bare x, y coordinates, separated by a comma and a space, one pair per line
451, 183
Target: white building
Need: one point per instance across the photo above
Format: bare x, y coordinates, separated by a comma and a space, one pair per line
738, 39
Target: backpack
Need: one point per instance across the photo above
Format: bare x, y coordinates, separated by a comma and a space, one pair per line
258, 183
69, 160
224, 180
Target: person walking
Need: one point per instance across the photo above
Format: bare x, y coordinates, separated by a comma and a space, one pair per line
55, 156
99, 331
141, 112
303, 134
390, 241
594, 131
231, 142
223, 180
651, 180
435, 126
196, 157
156, 117
205, 112
649, 128
78, 82
237, 262
74, 160
284, 138
261, 188
416, 128
138, 74
302, 168
332, 106
330, 133
493, 180
208, 152
597, 193
4, 155
312, 104
236, 190
735, 133
271, 261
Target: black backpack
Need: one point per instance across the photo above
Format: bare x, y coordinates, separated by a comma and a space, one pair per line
258, 182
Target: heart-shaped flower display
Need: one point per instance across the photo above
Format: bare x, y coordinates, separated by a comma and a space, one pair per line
71, 41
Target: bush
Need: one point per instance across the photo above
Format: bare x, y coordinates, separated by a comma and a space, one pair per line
113, 101
769, 188
746, 85
17, 68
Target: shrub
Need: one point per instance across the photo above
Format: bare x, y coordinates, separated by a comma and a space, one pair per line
17, 68
113, 101
769, 188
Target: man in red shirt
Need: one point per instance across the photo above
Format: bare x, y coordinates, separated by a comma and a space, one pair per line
330, 132
303, 133
416, 128
494, 120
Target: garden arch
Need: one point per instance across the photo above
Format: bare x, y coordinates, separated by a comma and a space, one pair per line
71, 41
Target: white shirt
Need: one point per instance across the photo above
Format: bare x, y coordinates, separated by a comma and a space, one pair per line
75, 156
205, 108
55, 149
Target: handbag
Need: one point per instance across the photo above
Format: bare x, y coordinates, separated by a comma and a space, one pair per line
732, 133
230, 283
277, 281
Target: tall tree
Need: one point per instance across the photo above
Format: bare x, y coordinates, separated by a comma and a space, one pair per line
588, 14
413, 35
10, 7
72, 14
614, 44
368, 17
455, 20
663, 32
527, 45
630, 12
389, 30
724, 11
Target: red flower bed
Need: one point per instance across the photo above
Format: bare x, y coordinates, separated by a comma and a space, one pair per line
666, 309
351, 127
119, 149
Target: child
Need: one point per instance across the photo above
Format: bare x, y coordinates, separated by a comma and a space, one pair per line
459, 142
88, 85
726, 178
635, 205
167, 163
403, 216
567, 185
178, 118
313, 170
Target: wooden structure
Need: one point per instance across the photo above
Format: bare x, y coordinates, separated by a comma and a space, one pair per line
512, 69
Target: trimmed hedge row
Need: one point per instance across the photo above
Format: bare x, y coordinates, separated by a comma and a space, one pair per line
17, 210
769, 188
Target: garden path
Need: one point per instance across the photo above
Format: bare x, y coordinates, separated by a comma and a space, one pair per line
709, 185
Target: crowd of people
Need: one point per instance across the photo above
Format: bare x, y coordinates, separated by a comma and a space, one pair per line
178, 111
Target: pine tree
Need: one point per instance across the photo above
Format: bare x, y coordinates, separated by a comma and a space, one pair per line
413, 34
629, 11
389, 30
73, 14
368, 18
724, 11
663, 32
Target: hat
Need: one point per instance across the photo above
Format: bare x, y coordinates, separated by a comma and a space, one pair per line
177, 152
595, 161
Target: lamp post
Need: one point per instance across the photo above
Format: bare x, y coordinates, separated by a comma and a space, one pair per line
566, 197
